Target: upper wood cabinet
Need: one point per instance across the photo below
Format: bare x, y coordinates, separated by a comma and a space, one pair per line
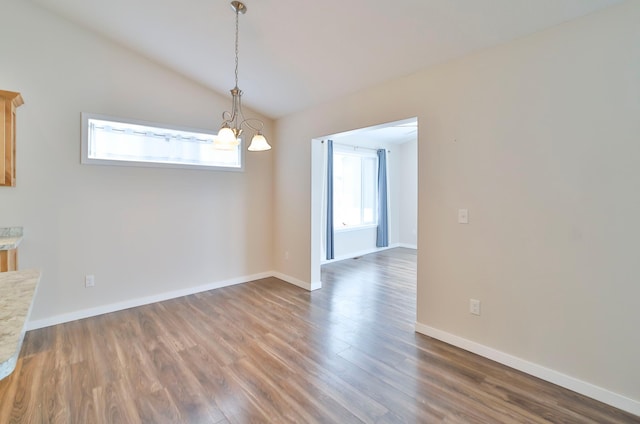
9, 102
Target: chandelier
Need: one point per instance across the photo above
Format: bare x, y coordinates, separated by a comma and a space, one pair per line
233, 122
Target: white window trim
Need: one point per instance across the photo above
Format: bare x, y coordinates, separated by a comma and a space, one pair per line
354, 151
86, 160
348, 228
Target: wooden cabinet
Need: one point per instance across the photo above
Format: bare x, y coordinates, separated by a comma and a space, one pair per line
8, 260
9, 102
10, 238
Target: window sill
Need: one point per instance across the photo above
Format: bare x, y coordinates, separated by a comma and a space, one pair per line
355, 228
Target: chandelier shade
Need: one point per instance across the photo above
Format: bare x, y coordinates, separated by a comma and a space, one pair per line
234, 121
259, 143
226, 139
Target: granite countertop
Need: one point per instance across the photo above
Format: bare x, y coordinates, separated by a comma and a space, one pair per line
17, 290
10, 237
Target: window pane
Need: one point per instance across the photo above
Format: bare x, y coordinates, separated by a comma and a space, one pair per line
346, 186
369, 190
110, 140
354, 190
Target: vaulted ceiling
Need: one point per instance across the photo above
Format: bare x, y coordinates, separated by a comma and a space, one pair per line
296, 54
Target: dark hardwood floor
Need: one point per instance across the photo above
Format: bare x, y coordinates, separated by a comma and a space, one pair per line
269, 352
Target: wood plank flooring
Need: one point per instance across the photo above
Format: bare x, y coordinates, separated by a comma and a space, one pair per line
269, 352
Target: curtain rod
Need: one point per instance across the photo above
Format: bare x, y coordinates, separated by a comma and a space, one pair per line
357, 147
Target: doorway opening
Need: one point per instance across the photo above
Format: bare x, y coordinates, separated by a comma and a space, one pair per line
353, 238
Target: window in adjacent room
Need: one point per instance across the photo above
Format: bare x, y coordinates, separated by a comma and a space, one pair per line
355, 176
115, 141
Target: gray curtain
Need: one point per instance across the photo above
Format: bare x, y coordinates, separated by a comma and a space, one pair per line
382, 237
329, 248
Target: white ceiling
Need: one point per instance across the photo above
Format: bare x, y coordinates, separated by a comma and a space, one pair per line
379, 136
295, 54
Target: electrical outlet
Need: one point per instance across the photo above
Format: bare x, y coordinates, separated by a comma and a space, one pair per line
474, 306
286, 255
89, 281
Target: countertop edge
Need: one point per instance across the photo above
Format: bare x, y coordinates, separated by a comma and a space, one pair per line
10, 237
15, 278
9, 243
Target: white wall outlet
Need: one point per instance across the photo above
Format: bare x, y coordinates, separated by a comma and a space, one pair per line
474, 306
89, 280
463, 216
286, 255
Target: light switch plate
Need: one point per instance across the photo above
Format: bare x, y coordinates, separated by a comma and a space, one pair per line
463, 216
474, 306
89, 281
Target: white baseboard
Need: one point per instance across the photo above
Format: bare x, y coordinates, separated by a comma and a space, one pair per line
595, 392
408, 246
352, 255
132, 303
296, 282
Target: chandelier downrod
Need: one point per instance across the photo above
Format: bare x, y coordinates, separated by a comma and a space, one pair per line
239, 8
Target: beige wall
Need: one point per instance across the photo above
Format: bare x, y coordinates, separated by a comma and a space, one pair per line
141, 231
539, 140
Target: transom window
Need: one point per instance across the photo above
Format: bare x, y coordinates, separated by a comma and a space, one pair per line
355, 180
115, 141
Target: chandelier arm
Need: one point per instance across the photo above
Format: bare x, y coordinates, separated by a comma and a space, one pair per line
241, 117
237, 106
227, 117
254, 124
